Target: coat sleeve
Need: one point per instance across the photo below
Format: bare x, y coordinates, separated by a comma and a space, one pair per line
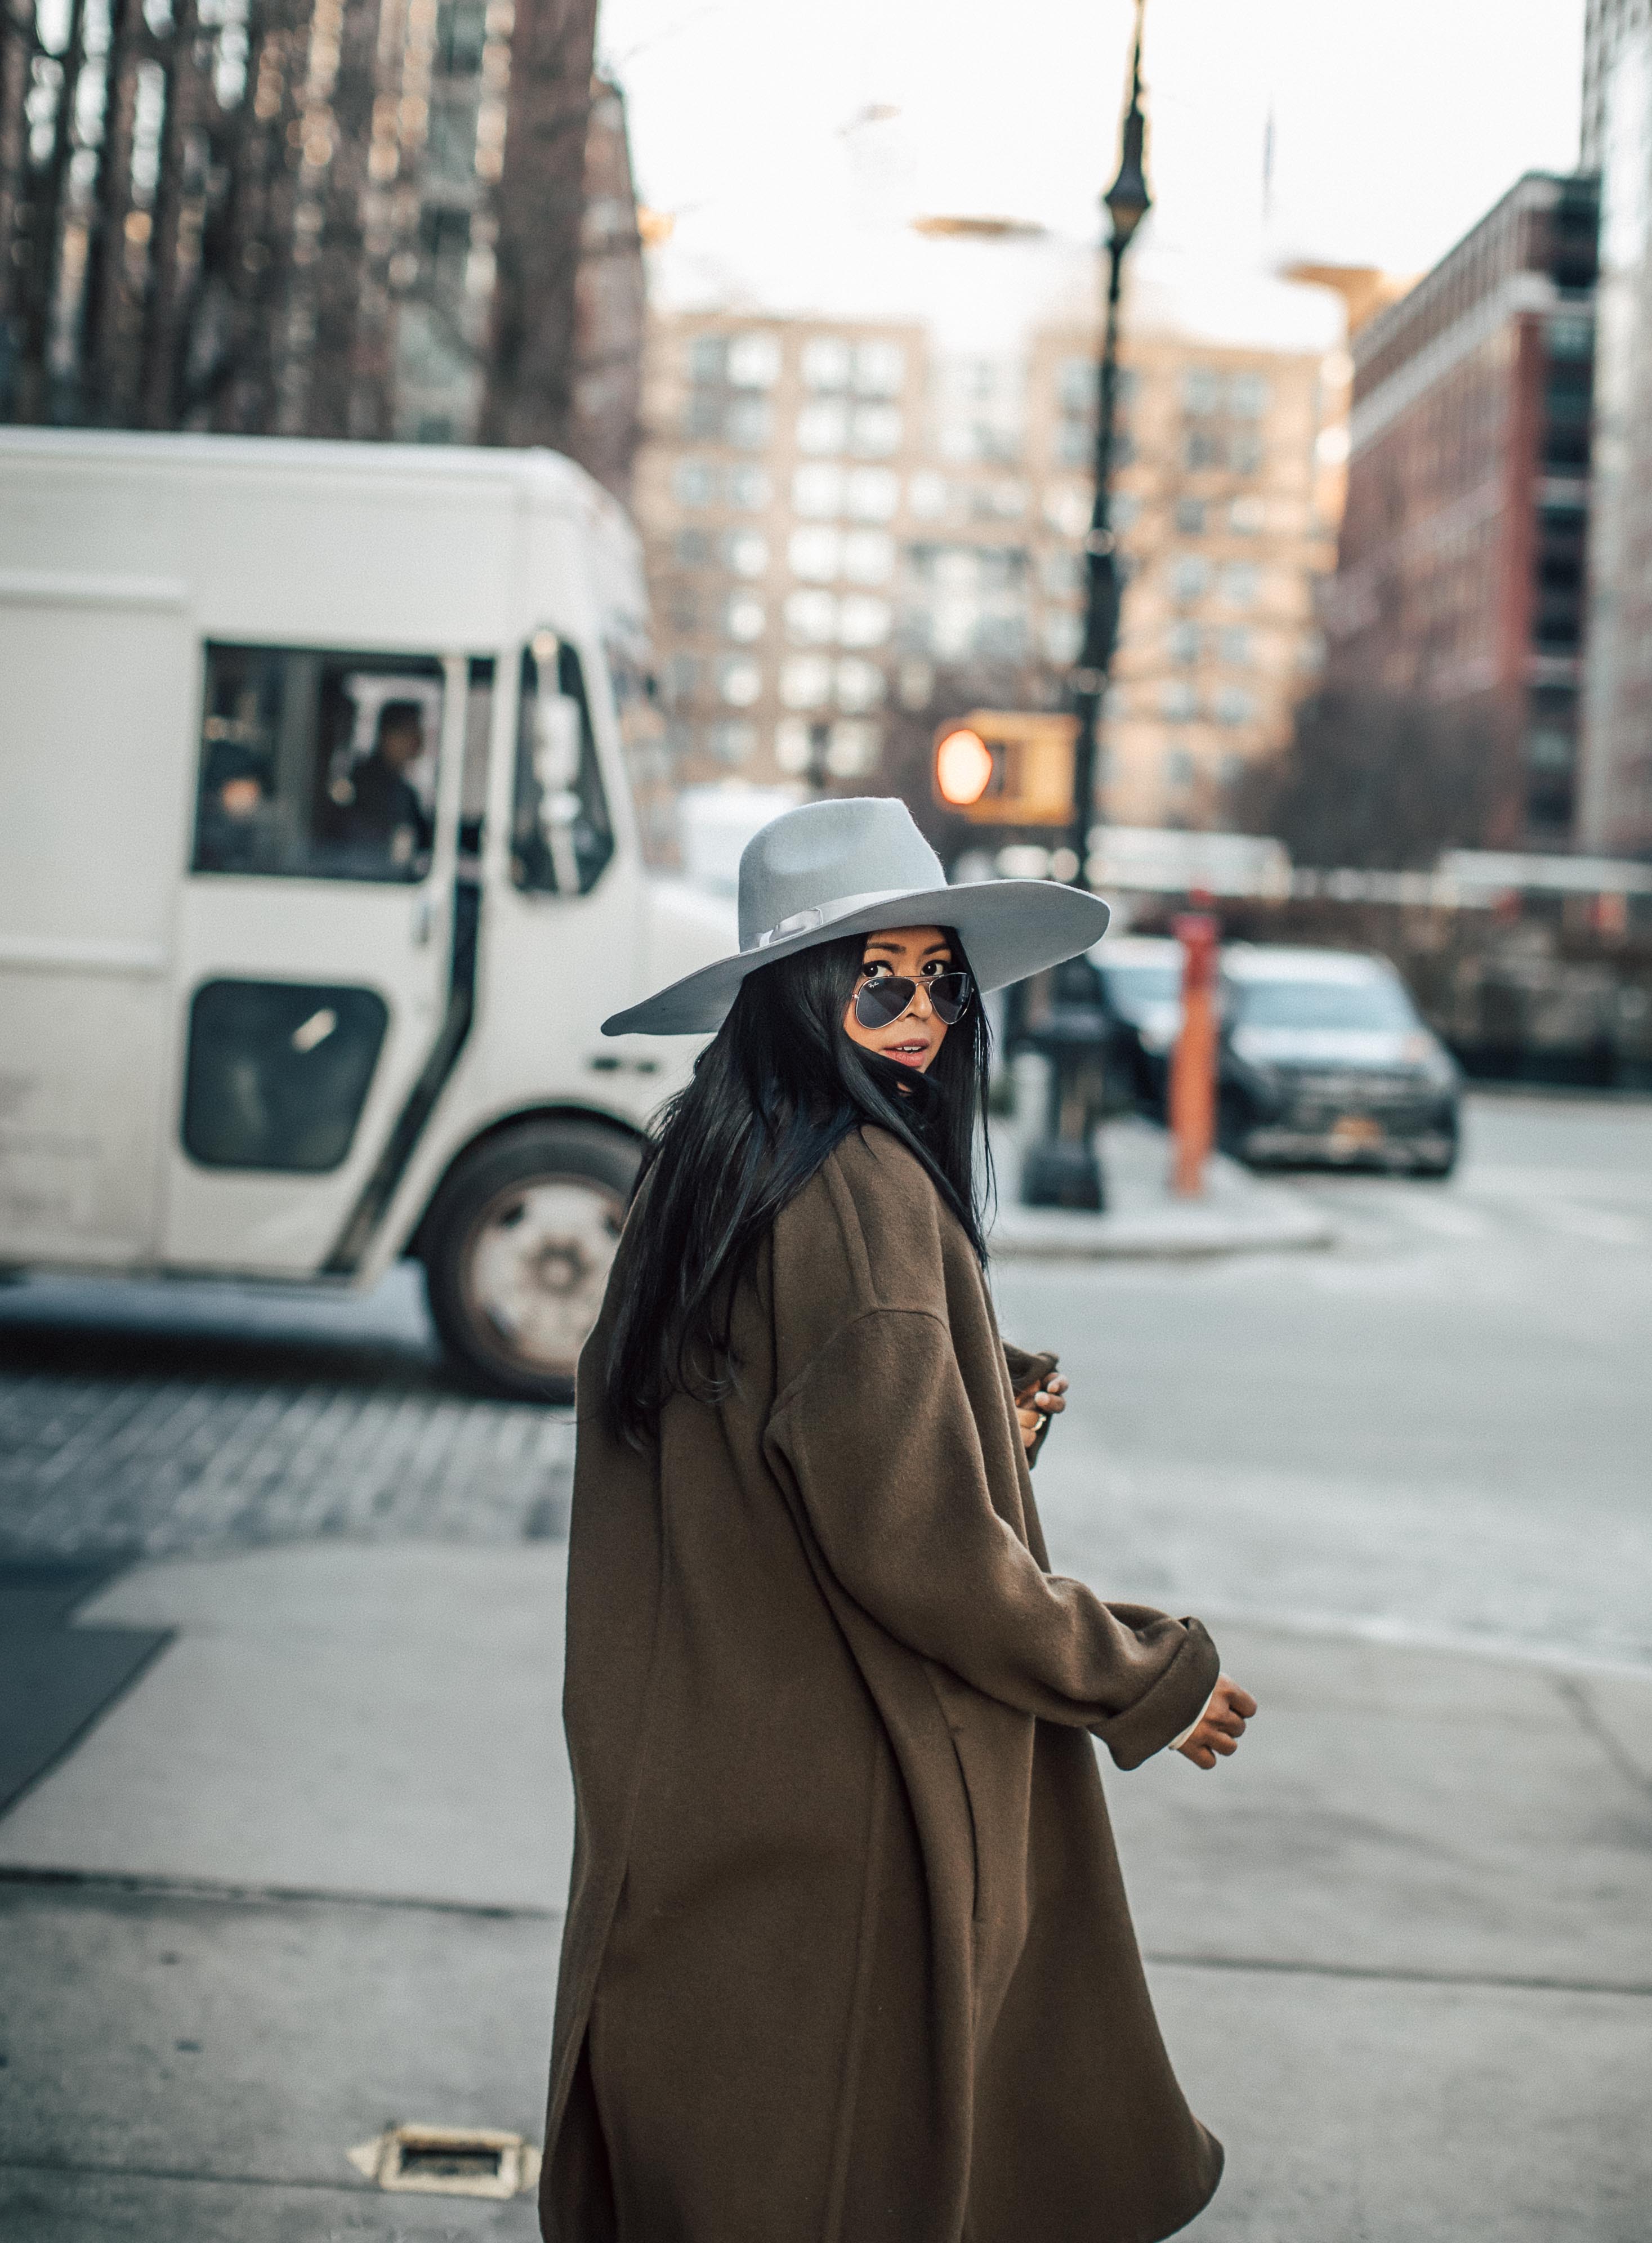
880, 1442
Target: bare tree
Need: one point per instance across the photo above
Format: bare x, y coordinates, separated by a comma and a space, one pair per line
541, 196
1376, 778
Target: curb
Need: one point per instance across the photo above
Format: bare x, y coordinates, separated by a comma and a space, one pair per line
1032, 1234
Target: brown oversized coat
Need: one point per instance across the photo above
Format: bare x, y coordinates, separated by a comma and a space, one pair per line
847, 1956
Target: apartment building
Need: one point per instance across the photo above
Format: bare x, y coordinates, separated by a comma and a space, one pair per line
1217, 513
1460, 576
851, 533
1614, 807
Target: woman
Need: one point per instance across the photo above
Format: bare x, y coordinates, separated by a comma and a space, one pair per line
847, 1958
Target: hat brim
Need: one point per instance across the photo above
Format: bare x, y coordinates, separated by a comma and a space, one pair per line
1010, 928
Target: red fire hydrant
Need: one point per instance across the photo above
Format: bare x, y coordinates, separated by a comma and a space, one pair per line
1192, 1096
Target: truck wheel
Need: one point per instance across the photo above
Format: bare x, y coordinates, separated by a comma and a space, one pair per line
517, 1247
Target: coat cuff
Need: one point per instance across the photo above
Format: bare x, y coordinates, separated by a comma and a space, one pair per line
1177, 1699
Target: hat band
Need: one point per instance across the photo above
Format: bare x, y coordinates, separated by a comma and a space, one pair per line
805, 922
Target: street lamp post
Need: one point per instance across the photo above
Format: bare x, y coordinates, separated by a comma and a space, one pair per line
1061, 1168
1127, 203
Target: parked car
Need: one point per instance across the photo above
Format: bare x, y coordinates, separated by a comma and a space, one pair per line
1141, 984
1325, 1058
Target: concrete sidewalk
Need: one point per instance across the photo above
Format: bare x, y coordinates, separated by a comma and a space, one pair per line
304, 1879
1237, 1212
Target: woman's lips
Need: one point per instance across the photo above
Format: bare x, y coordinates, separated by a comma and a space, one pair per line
908, 1054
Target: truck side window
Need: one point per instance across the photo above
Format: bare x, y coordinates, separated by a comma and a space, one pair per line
561, 836
318, 765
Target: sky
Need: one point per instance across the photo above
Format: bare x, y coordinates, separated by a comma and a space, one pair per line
794, 144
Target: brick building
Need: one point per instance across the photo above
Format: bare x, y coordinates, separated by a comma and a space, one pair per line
1460, 571
852, 533
1615, 810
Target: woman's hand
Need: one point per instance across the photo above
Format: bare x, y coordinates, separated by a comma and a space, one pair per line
1221, 1724
1037, 1404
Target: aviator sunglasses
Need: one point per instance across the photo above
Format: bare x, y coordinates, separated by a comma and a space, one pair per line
881, 1002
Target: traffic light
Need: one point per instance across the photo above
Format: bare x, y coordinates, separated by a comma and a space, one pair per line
1006, 767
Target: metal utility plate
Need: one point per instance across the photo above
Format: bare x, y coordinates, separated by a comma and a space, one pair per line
448, 2161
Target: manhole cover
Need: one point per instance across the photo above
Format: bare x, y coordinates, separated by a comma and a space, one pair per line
448, 2160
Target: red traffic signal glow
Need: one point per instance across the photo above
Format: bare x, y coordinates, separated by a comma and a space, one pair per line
963, 767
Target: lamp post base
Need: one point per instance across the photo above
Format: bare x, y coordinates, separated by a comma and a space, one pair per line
1057, 1173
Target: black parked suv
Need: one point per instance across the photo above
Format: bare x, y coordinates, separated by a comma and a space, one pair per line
1324, 1058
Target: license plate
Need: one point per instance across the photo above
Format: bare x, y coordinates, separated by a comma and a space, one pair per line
1356, 1129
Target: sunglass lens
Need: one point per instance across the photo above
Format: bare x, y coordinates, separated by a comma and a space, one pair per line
949, 994
883, 1000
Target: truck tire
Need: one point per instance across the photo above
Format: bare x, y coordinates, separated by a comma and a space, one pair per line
517, 1250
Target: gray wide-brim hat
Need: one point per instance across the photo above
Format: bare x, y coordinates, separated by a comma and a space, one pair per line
853, 866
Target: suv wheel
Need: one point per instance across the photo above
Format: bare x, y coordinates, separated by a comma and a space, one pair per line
517, 1247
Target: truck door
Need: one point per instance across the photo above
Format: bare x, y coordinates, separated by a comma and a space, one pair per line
323, 985
95, 688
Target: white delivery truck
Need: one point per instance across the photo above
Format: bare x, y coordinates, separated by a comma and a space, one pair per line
319, 870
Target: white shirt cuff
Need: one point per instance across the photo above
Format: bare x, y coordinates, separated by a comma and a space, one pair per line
1177, 1743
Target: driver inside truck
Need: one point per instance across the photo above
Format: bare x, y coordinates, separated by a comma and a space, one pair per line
376, 809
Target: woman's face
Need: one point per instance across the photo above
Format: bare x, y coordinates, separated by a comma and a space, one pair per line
919, 953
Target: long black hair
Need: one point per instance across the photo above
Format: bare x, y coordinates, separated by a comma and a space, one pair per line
780, 1086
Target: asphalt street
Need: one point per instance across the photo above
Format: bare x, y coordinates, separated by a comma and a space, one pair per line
290, 1863
1438, 1432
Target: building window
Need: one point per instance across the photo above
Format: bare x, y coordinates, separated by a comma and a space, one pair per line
1245, 454
814, 553
1179, 770
733, 741
694, 483
754, 361
1064, 575
818, 490
868, 556
1241, 581
684, 609
1063, 636
682, 679
740, 682
1076, 384
1234, 647
1203, 449
927, 496
811, 619
880, 369
748, 422
1183, 642
794, 743
826, 363
871, 495
702, 414
693, 548
1248, 396
876, 431
1067, 509
1190, 576
1234, 705
745, 552
748, 489
1189, 517
1246, 515
707, 358
1075, 441
1178, 701
863, 621
851, 747
742, 619
1201, 390
805, 682
861, 684
824, 427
